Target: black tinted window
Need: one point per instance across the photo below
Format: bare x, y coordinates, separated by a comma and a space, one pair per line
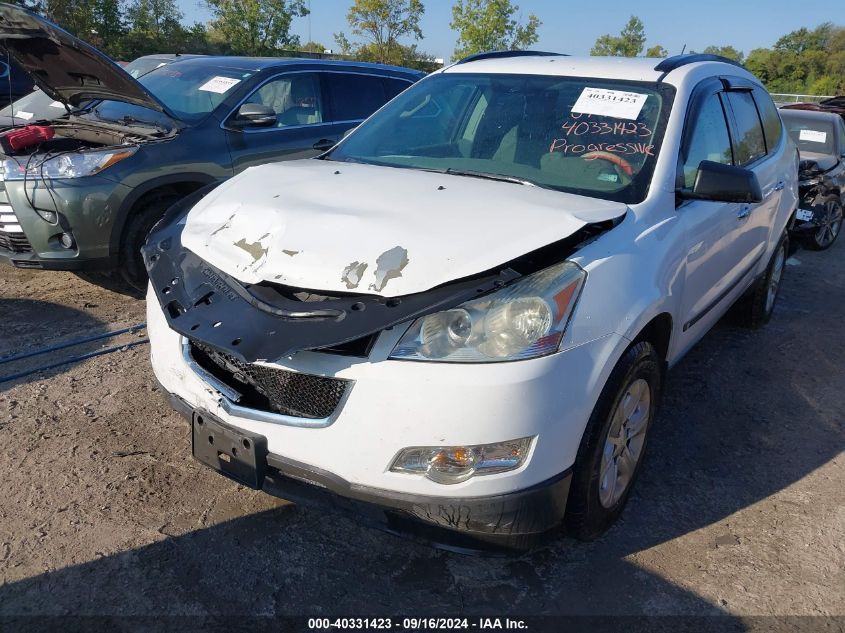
749, 144
771, 119
354, 97
393, 87
707, 140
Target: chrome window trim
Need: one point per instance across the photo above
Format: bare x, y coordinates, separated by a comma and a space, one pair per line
228, 398
308, 125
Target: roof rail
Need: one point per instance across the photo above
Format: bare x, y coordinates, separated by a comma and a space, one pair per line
676, 61
502, 54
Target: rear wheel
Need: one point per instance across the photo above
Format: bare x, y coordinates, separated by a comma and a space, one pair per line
614, 443
756, 308
138, 227
829, 215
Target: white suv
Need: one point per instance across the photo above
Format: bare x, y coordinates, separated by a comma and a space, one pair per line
458, 321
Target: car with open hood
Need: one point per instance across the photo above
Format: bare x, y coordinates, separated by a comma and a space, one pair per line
820, 137
459, 320
82, 191
38, 106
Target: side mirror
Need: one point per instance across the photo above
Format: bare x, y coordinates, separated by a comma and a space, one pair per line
254, 115
723, 183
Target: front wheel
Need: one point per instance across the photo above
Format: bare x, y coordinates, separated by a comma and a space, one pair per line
138, 227
614, 442
829, 215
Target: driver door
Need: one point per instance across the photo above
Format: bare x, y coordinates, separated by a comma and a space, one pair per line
302, 129
715, 257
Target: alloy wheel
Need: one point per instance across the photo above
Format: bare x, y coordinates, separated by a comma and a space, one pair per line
625, 440
830, 225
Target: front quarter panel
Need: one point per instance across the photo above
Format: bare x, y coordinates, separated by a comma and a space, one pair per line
634, 273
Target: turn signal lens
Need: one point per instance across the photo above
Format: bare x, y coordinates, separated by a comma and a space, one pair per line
453, 464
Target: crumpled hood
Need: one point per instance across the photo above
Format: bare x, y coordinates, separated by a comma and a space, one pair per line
825, 162
64, 67
345, 227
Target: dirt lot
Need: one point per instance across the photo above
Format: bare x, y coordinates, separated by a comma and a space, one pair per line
740, 511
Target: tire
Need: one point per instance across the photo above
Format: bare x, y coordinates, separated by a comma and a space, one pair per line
138, 227
113, 281
592, 506
758, 305
831, 225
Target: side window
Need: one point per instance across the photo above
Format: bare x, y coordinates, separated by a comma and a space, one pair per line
354, 97
295, 98
707, 140
772, 127
393, 87
748, 144
841, 124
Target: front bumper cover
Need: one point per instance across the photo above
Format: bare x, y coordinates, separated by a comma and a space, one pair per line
514, 521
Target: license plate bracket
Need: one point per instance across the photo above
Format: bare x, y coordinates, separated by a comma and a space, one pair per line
233, 452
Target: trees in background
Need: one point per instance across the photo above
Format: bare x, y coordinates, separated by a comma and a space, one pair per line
381, 24
256, 27
803, 61
629, 43
488, 25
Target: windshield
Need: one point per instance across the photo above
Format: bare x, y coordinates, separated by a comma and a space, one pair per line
190, 91
37, 105
589, 136
810, 134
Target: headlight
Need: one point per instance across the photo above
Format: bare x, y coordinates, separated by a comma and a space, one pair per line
453, 464
70, 165
523, 320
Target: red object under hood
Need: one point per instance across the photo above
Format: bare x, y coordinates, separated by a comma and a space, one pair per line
28, 136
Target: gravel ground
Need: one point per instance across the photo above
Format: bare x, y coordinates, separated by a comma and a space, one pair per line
739, 512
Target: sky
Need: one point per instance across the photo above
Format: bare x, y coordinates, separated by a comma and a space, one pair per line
572, 27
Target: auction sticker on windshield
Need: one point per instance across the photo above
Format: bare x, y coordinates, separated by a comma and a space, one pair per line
219, 84
813, 136
618, 104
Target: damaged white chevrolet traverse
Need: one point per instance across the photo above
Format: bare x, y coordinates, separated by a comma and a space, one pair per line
458, 321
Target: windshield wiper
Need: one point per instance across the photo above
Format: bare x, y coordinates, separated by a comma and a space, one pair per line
488, 176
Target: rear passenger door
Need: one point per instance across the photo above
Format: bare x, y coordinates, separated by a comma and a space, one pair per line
353, 97
302, 126
757, 147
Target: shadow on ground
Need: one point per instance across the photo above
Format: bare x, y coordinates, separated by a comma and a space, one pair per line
746, 414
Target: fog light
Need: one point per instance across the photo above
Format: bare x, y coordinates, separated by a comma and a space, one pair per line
453, 464
48, 216
66, 240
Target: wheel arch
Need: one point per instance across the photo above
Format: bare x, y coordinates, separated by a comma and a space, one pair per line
179, 184
658, 332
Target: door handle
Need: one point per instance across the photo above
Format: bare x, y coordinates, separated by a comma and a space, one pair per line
743, 213
324, 144
780, 186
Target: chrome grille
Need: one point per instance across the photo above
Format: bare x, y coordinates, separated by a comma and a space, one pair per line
12, 237
270, 389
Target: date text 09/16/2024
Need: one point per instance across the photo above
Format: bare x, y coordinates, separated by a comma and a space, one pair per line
421, 624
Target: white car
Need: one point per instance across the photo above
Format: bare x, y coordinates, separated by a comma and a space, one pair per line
458, 321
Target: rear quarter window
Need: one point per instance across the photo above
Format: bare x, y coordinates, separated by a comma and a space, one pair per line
772, 128
749, 144
354, 96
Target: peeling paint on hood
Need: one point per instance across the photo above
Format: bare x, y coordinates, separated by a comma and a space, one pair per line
382, 230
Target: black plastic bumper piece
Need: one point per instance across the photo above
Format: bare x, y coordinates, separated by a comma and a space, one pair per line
510, 522
32, 261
